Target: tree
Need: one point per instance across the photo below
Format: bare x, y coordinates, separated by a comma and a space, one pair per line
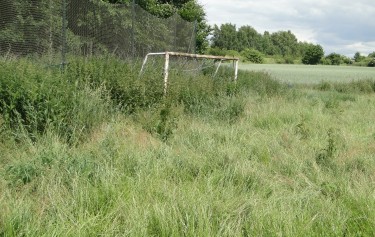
267, 45
160, 8
313, 54
248, 37
358, 57
285, 42
371, 63
193, 11
225, 37
337, 59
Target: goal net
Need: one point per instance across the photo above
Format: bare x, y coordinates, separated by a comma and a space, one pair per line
188, 63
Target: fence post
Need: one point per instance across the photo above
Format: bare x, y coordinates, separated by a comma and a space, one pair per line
166, 73
63, 35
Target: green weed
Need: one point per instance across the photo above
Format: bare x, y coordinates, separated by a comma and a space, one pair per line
325, 158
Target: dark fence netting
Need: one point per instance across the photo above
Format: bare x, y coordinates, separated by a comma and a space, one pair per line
52, 30
31, 28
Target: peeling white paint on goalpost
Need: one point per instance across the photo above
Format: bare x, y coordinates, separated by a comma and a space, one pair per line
167, 57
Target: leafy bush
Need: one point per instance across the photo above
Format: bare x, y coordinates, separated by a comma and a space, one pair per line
326, 61
363, 61
371, 63
21, 173
217, 51
232, 53
336, 59
358, 57
281, 59
253, 55
289, 60
33, 98
162, 121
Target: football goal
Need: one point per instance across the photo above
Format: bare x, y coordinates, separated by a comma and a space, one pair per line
168, 55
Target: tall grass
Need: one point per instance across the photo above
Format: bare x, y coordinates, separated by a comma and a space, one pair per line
212, 158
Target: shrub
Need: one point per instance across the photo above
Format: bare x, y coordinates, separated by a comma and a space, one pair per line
33, 98
326, 61
371, 63
217, 51
338, 59
161, 122
253, 55
232, 53
21, 173
358, 57
289, 60
325, 158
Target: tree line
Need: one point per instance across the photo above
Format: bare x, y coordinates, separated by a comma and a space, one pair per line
281, 45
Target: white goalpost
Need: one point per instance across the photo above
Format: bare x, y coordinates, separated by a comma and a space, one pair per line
186, 55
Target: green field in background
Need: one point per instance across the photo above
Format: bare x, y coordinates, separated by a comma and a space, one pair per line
312, 74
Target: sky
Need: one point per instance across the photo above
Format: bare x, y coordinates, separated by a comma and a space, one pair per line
340, 26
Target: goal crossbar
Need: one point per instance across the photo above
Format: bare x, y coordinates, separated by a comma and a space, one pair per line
200, 56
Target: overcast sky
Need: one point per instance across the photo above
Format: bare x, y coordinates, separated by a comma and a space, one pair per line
341, 26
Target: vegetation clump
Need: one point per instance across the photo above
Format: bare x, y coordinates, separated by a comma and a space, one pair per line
252, 55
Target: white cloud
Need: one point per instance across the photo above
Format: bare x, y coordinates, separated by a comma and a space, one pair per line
306, 35
363, 47
342, 26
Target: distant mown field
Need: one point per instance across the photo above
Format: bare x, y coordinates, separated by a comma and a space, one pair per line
312, 74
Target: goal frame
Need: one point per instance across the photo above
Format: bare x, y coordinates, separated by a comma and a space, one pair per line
200, 56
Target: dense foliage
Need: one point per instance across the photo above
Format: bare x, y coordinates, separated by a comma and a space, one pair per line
253, 55
313, 54
282, 46
34, 99
362, 60
283, 43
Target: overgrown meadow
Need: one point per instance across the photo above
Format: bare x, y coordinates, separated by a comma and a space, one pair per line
96, 150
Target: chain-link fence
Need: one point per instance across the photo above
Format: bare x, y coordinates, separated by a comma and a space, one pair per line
52, 30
